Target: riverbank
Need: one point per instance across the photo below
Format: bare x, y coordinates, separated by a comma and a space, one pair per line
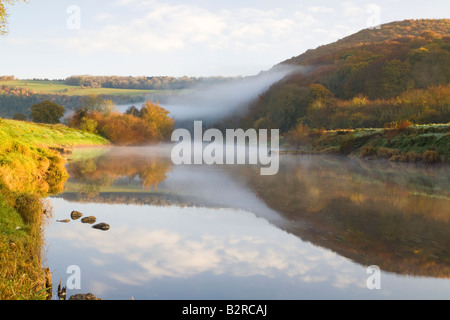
31, 167
427, 144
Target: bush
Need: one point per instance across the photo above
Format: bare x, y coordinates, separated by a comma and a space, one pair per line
299, 135
122, 129
430, 157
399, 125
88, 125
20, 117
367, 151
150, 125
29, 206
386, 153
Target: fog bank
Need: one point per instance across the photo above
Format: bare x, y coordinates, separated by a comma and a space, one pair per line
211, 103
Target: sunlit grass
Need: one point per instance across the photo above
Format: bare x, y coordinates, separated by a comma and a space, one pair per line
58, 87
46, 135
29, 170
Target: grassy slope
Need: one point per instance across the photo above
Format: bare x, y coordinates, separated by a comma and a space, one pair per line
57, 87
29, 170
46, 135
419, 143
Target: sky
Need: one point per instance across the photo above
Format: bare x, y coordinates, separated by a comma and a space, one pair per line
59, 38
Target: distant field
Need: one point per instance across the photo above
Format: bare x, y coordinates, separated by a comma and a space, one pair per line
58, 87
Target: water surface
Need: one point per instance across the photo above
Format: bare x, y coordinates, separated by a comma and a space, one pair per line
226, 232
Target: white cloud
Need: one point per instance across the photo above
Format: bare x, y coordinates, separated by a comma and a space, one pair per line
321, 9
159, 27
103, 16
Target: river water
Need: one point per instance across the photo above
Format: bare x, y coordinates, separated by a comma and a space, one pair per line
226, 232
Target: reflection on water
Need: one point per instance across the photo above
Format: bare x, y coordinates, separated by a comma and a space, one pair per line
395, 216
226, 232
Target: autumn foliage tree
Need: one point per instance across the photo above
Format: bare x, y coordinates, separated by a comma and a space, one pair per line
151, 124
158, 118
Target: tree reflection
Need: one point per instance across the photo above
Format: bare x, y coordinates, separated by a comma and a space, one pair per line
118, 171
395, 216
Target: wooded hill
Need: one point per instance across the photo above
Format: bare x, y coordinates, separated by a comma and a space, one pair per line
400, 71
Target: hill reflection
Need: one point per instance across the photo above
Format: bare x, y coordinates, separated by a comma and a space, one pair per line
394, 216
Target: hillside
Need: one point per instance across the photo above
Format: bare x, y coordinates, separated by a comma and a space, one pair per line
408, 29
374, 77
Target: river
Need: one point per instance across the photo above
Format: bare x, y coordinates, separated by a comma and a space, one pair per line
226, 232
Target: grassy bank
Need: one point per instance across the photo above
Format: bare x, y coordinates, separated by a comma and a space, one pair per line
30, 169
420, 143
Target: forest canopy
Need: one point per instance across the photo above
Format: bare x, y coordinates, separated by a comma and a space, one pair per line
399, 72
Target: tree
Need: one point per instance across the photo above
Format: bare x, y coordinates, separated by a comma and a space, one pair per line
4, 15
158, 118
93, 102
133, 111
396, 78
20, 117
47, 112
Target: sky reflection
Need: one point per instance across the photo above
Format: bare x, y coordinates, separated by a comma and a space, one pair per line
148, 243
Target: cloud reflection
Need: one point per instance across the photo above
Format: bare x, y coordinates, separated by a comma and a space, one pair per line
161, 242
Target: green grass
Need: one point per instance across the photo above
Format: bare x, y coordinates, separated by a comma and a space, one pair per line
58, 87
46, 135
29, 170
419, 143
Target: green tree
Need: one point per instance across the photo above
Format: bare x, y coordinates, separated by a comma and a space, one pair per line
396, 78
431, 66
97, 103
47, 112
20, 117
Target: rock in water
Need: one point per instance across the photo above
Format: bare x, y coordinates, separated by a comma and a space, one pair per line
75, 215
63, 221
87, 296
101, 226
90, 220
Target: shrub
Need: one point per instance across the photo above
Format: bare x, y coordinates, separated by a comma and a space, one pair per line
88, 125
367, 151
125, 129
387, 153
29, 206
413, 157
399, 125
20, 117
430, 156
299, 135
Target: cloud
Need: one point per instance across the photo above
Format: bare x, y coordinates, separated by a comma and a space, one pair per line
150, 26
321, 9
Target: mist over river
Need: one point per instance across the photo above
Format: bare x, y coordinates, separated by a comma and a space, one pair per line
225, 232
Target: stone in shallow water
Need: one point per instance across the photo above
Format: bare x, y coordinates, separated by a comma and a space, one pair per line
101, 226
75, 215
89, 220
